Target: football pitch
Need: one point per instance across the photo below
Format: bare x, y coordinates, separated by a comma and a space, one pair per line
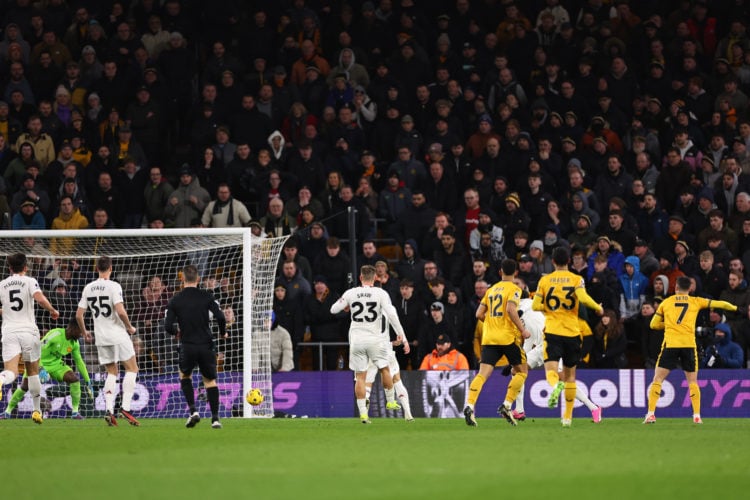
342, 458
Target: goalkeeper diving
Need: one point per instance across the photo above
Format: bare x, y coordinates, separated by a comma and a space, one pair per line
56, 344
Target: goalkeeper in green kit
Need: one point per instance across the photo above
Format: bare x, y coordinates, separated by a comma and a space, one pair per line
58, 343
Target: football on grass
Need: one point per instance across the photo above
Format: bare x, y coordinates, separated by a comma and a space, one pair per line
254, 397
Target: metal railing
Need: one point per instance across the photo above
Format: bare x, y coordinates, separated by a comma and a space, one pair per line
320, 346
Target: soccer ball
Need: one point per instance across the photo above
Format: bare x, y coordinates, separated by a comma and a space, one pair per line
254, 397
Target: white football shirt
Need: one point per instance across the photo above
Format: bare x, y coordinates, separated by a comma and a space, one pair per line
99, 298
369, 307
534, 323
17, 298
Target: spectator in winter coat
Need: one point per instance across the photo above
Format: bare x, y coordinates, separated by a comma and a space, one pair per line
277, 222
611, 250
579, 204
486, 225
649, 262
411, 266
738, 294
610, 343
432, 328
324, 326
225, 211
28, 217
186, 203
156, 194
669, 271
634, 285
282, 349
651, 340
411, 313
393, 200
444, 357
335, 265
288, 316
723, 353
451, 257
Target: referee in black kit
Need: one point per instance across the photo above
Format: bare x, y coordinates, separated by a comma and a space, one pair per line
190, 309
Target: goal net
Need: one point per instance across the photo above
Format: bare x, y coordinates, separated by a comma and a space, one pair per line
235, 266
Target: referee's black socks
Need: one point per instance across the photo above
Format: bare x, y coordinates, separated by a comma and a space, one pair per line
213, 402
187, 390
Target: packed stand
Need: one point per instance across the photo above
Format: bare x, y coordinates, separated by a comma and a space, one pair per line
462, 133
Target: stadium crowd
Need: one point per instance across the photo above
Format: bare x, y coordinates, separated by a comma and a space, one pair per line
462, 131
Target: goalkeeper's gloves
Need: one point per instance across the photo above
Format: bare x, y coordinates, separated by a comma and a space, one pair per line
90, 389
43, 376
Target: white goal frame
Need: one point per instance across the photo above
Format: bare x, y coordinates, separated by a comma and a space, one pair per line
253, 249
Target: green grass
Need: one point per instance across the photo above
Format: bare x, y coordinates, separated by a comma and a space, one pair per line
341, 458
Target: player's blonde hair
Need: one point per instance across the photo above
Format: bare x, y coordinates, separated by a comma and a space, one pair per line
367, 272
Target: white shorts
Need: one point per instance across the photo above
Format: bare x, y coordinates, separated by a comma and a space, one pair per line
535, 357
115, 353
372, 370
360, 355
27, 344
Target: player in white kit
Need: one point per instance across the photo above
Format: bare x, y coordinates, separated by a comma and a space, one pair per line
534, 347
112, 330
370, 307
402, 395
21, 341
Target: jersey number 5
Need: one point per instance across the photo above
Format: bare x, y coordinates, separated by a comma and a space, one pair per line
100, 305
15, 299
358, 312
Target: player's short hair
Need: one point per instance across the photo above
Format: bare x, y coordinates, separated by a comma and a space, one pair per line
73, 325
367, 272
560, 256
104, 264
683, 283
190, 274
509, 266
16, 262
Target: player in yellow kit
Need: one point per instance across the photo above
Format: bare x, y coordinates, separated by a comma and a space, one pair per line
558, 295
676, 316
503, 333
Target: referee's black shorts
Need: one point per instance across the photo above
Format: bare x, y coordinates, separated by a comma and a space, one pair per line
201, 355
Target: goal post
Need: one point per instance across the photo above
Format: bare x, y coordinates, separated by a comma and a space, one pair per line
236, 266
